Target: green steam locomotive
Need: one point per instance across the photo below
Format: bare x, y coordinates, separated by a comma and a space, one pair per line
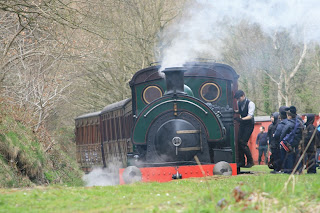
177, 124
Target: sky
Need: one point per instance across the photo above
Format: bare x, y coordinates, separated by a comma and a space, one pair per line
200, 33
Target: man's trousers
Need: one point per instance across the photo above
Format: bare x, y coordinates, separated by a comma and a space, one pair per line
244, 134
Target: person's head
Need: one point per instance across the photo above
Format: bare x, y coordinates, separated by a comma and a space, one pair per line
282, 112
272, 118
291, 112
240, 96
309, 119
262, 128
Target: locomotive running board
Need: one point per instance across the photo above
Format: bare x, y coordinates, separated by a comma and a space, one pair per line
165, 174
187, 131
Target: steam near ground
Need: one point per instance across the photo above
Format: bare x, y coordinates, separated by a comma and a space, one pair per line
99, 177
205, 23
110, 176
103, 176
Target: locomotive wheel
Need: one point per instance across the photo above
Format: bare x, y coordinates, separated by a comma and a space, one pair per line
222, 168
132, 174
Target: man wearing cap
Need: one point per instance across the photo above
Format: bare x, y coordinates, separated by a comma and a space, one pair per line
246, 110
276, 136
288, 156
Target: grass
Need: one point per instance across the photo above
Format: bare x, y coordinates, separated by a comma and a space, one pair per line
24, 161
258, 192
20, 152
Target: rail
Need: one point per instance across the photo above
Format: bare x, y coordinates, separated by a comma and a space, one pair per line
156, 106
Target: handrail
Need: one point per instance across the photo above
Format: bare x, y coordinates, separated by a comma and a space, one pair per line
175, 100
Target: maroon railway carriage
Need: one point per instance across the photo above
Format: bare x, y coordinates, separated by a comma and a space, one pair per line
113, 125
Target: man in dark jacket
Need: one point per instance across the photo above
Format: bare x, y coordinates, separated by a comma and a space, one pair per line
246, 110
276, 137
273, 144
289, 147
311, 151
262, 145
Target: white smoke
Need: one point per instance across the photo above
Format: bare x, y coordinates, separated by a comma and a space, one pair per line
104, 176
205, 22
99, 177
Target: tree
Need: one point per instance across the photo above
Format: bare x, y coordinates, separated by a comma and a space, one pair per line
290, 59
248, 50
258, 56
31, 60
131, 32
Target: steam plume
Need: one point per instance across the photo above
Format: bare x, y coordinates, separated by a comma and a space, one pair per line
205, 22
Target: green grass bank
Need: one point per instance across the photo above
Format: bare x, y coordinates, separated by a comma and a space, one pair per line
27, 161
258, 192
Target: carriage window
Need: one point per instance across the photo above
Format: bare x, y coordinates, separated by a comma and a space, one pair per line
151, 93
210, 92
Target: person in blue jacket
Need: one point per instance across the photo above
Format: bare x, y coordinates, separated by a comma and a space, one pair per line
289, 148
276, 138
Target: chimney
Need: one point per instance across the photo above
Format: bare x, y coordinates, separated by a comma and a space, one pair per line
174, 80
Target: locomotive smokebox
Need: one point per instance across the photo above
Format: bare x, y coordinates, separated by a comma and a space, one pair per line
174, 80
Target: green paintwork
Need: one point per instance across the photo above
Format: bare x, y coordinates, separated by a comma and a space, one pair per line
195, 84
139, 90
209, 120
188, 90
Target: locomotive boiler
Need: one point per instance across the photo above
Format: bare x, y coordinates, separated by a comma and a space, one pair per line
177, 124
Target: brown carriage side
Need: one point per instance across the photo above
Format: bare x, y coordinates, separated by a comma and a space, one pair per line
88, 141
116, 122
109, 129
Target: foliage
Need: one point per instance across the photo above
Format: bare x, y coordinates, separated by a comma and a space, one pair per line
288, 65
24, 160
131, 32
259, 192
266, 94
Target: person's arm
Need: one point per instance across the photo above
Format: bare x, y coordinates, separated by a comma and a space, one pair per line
258, 140
237, 110
251, 108
285, 131
277, 133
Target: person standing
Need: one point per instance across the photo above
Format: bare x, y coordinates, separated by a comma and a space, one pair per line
274, 146
262, 145
290, 138
276, 137
246, 110
311, 151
